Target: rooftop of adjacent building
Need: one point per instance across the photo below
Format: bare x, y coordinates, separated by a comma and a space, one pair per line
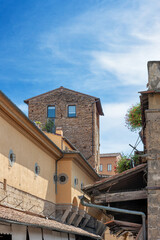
110, 155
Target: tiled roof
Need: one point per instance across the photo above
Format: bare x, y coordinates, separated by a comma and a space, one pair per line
18, 217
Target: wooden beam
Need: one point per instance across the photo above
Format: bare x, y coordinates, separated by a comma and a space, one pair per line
72, 217
130, 224
81, 215
121, 196
65, 215
87, 218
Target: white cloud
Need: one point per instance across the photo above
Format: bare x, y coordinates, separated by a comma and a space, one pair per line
114, 114
115, 137
109, 39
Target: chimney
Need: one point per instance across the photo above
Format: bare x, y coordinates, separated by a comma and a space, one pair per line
154, 75
59, 131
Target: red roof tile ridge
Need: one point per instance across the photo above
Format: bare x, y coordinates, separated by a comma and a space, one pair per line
15, 216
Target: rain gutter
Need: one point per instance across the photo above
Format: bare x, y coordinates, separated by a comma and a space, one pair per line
55, 176
119, 210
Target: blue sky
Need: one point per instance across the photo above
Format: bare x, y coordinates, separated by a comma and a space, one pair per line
96, 47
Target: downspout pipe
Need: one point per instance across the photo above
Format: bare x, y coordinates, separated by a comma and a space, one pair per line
55, 176
119, 210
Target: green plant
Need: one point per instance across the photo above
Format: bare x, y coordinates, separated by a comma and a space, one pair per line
123, 164
38, 124
49, 126
126, 163
133, 118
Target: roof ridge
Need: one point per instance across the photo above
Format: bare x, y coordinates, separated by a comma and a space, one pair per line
61, 87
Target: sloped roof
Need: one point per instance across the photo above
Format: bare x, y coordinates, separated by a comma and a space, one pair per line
114, 178
98, 102
13, 216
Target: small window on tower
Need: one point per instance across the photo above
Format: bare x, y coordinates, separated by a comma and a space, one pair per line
72, 111
51, 112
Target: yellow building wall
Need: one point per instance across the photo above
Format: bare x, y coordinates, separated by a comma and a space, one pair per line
58, 140
85, 178
21, 175
64, 190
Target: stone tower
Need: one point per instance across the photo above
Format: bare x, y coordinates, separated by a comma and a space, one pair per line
76, 113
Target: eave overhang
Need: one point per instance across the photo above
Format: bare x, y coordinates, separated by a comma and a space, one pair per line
23, 124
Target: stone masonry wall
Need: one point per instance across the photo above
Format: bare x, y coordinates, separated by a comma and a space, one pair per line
79, 129
12, 197
153, 151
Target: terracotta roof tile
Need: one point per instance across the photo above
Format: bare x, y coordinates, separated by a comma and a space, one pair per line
19, 217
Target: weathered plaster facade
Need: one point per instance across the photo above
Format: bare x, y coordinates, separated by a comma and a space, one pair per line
151, 120
153, 151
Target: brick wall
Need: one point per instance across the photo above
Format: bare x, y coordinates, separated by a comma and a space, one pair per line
18, 199
79, 129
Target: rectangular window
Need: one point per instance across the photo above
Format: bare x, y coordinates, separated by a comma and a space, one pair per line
100, 167
51, 112
109, 167
72, 111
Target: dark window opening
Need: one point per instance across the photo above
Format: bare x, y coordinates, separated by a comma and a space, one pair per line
37, 169
12, 158
51, 113
5, 237
72, 111
63, 178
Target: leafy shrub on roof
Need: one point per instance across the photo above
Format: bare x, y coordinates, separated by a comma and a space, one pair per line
49, 126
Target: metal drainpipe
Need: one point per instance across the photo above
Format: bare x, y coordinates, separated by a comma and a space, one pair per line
56, 177
118, 210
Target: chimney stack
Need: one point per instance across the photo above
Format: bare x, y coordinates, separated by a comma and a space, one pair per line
154, 75
59, 131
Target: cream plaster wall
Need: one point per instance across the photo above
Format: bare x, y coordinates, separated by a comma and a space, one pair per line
21, 175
